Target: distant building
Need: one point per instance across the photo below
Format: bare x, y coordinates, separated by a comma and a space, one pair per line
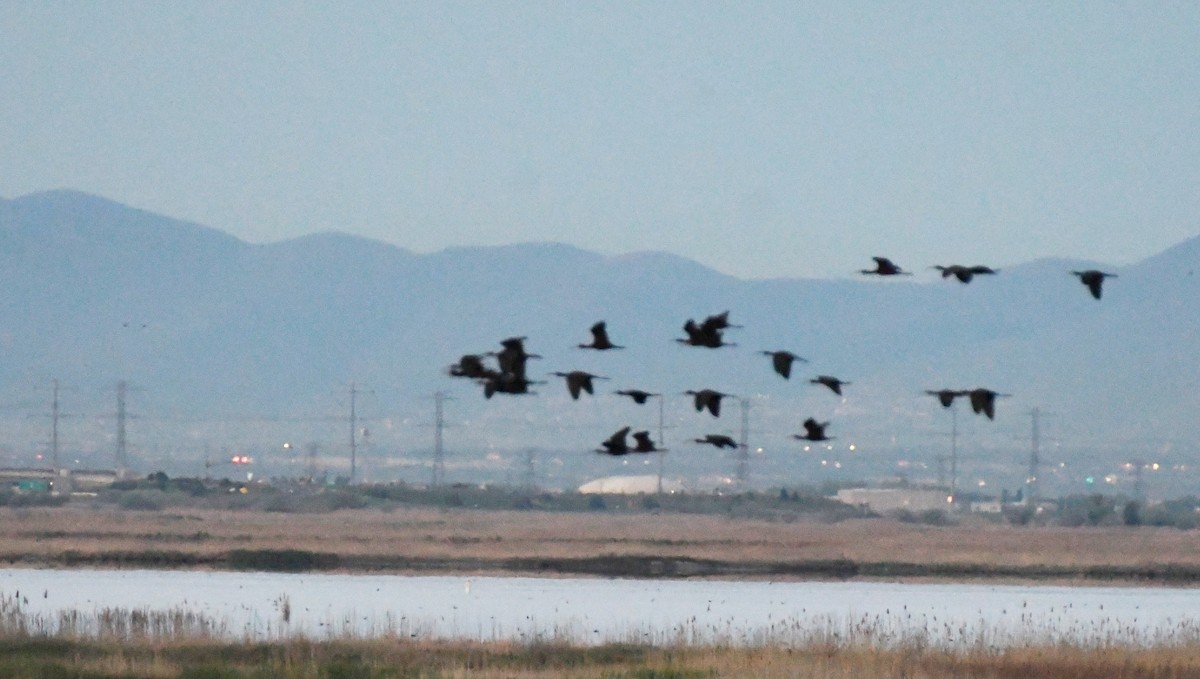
891, 499
629, 485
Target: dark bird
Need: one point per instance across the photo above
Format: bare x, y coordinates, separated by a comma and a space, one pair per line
578, 380
965, 273
813, 431
718, 440
513, 357
1093, 279
616, 444
718, 322
470, 365
885, 267
639, 397
643, 443
833, 383
984, 401
600, 339
703, 335
707, 398
506, 383
946, 396
782, 361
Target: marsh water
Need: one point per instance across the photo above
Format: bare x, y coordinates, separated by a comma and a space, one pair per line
594, 610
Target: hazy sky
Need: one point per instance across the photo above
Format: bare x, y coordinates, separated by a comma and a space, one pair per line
775, 139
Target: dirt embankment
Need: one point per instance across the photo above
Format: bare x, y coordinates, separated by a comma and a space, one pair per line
602, 544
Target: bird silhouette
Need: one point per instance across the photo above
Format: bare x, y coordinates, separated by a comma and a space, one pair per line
643, 443
703, 335
1094, 280
707, 398
600, 340
616, 444
813, 431
984, 401
885, 267
833, 383
782, 361
718, 440
470, 365
513, 357
965, 273
639, 397
506, 383
946, 396
718, 322
578, 380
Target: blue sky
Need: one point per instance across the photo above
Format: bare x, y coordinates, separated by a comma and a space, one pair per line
768, 140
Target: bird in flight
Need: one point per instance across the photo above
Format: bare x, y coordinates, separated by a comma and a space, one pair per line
579, 381
718, 440
964, 274
639, 397
813, 431
782, 361
643, 443
1094, 280
600, 340
984, 401
707, 398
885, 267
834, 384
946, 396
616, 444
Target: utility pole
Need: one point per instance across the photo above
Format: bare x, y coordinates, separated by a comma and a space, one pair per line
661, 453
954, 454
439, 454
54, 414
1139, 482
530, 472
941, 469
743, 455
353, 433
1031, 478
122, 460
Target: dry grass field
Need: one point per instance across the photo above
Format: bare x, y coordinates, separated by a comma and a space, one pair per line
35, 535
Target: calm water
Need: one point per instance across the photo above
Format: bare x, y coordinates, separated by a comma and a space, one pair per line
585, 610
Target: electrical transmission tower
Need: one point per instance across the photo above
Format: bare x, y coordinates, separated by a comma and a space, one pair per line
122, 461
743, 454
439, 453
1032, 485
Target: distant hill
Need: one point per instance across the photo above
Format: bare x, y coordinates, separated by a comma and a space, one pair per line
208, 326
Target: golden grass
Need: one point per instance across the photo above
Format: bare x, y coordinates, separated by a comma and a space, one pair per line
29, 534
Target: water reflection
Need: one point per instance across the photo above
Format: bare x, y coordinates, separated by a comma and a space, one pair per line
581, 610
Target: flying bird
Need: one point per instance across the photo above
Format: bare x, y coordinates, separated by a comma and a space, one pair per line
707, 398
600, 340
885, 267
470, 365
639, 397
984, 401
1093, 279
513, 357
782, 361
643, 443
964, 274
616, 444
813, 431
946, 396
833, 383
578, 381
718, 440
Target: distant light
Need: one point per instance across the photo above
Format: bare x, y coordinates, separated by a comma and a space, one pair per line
287, 445
1090, 480
853, 447
1154, 466
949, 499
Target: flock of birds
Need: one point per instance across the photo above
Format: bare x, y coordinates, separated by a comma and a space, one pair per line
510, 375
